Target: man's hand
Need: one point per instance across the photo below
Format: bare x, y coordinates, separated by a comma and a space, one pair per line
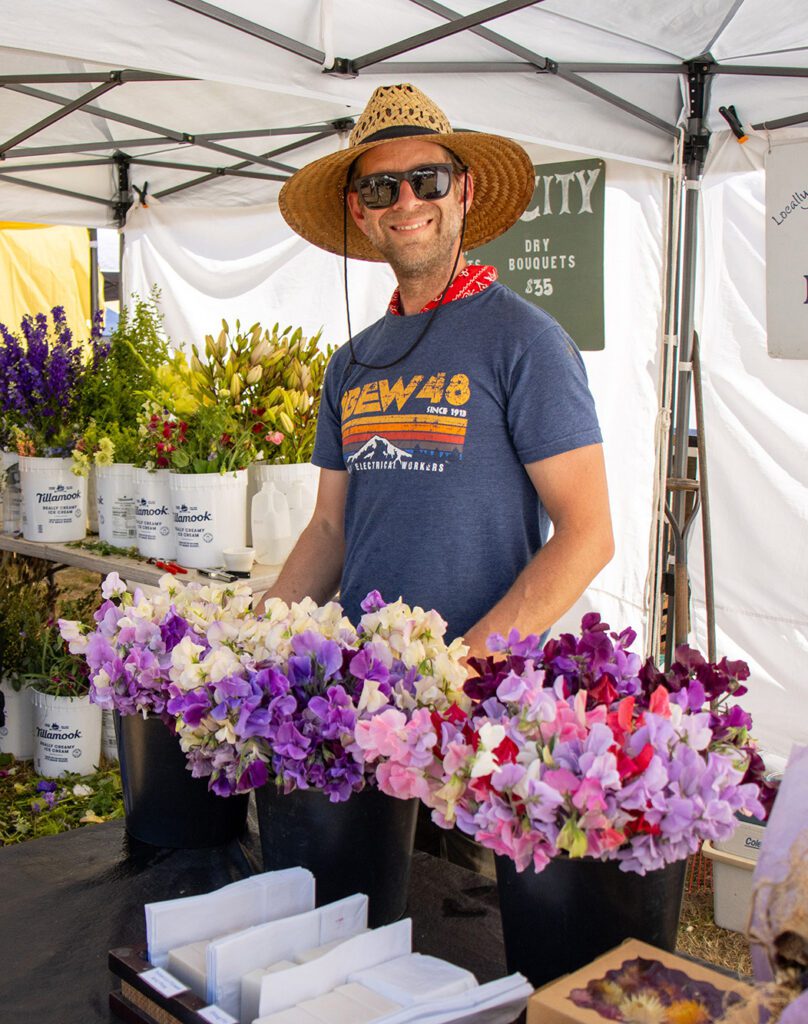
314, 567
573, 489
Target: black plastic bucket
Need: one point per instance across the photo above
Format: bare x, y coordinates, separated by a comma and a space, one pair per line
563, 917
363, 844
163, 803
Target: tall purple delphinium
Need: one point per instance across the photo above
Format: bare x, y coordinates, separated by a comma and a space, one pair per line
42, 369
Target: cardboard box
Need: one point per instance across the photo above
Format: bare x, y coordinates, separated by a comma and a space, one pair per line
633, 971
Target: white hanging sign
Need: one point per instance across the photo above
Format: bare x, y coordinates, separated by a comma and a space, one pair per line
787, 251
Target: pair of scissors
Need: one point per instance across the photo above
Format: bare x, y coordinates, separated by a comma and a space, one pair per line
171, 567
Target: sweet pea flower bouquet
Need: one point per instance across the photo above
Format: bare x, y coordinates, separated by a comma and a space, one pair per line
277, 697
579, 749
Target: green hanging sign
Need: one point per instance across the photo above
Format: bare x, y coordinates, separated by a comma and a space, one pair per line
553, 255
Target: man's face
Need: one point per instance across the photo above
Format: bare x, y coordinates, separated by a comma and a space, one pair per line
417, 237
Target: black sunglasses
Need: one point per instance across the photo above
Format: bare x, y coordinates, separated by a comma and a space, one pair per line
431, 181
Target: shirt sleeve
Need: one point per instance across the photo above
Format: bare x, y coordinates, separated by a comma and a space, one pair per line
327, 452
550, 406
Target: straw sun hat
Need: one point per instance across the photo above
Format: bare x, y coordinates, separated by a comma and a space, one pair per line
312, 200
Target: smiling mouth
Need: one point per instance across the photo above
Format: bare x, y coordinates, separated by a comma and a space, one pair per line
410, 227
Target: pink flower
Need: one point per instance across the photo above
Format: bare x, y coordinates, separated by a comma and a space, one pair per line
275, 437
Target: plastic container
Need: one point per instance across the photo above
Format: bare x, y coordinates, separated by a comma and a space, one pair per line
164, 805
239, 559
109, 741
271, 526
210, 514
92, 501
302, 496
362, 844
746, 840
154, 520
732, 887
54, 500
283, 475
67, 735
11, 493
17, 735
115, 500
559, 919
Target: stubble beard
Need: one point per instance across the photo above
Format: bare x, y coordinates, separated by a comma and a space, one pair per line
434, 258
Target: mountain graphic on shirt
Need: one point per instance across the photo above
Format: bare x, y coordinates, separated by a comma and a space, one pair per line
379, 449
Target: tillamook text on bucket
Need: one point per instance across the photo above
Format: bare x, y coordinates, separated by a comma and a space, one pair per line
49, 496
47, 734
142, 511
203, 517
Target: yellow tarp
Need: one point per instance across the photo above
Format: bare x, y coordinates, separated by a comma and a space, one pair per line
42, 267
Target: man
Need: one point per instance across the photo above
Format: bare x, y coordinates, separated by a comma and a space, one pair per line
456, 428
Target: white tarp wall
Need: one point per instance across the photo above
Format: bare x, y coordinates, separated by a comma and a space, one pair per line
246, 264
756, 412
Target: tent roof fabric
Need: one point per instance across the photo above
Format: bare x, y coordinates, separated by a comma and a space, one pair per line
593, 77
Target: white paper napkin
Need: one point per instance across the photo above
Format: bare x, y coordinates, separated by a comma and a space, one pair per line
264, 897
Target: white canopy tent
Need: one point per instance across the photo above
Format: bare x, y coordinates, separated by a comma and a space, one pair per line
623, 81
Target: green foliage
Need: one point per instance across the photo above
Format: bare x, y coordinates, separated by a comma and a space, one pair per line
24, 609
52, 669
114, 394
26, 812
213, 442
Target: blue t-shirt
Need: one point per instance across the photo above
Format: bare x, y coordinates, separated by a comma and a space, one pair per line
440, 510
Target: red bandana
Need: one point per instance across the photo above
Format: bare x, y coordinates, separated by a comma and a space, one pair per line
470, 281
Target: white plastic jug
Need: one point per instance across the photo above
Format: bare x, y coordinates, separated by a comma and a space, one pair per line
302, 497
271, 526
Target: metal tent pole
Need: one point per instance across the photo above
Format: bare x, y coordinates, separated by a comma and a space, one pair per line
696, 144
94, 306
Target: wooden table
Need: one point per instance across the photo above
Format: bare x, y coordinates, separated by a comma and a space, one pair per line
132, 569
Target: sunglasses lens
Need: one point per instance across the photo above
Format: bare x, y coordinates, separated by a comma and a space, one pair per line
431, 182
378, 190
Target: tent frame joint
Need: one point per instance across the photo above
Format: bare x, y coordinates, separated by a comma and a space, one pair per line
123, 197
343, 67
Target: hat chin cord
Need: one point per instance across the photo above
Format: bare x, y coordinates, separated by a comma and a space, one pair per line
441, 303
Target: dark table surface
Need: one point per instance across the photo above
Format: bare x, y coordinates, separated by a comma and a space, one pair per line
66, 900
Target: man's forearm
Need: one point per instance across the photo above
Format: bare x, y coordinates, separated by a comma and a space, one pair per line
547, 587
314, 567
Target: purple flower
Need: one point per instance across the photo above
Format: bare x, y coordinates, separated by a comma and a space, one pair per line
374, 602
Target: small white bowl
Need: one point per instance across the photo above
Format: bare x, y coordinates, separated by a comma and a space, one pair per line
239, 559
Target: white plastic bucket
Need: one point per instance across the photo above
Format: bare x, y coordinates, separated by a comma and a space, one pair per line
92, 502
210, 514
109, 741
116, 503
11, 493
54, 500
67, 735
17, 735
154, 521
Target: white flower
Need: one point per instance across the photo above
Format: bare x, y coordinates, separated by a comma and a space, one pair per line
72, 633
112, 587
186, 671
490, 738
220, 663
81, 790
371, 698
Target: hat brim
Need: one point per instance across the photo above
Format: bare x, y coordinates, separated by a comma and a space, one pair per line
311, 201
